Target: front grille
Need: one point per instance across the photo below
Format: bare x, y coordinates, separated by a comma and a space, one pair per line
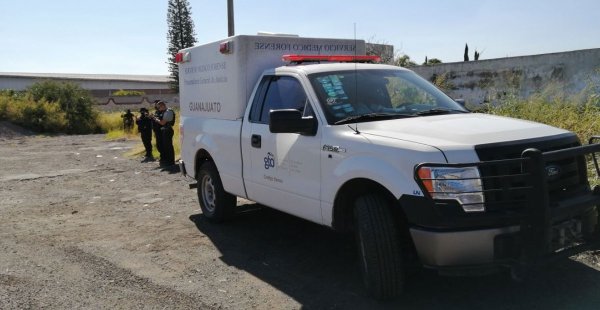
507, 187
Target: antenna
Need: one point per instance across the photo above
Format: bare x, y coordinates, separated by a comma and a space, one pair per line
355, 82
354, 38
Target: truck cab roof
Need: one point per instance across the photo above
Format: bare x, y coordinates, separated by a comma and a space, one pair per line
328, 67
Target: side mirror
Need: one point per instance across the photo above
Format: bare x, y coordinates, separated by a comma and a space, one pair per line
460, 101
291, 121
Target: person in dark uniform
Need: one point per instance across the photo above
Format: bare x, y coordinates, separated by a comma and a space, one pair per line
156, 128
144, 123
127, 121
166, 121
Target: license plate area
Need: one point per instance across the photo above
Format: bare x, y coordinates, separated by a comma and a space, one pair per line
566, 235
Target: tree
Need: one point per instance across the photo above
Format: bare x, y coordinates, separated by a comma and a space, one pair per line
431, 61
180, 35
404, 61
466, 52
477, 55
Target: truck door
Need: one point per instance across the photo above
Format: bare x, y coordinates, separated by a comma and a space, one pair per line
282, 170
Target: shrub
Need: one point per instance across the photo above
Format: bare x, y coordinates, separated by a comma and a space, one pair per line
122, 93
4, 104
41, 116
73, 100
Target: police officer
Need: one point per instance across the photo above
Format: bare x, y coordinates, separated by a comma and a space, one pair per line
167, 121
144, 123
156, 128
127, 121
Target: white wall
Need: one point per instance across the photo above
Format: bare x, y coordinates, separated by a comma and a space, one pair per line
490, 80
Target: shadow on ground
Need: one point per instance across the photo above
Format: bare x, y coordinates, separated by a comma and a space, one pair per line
318, 268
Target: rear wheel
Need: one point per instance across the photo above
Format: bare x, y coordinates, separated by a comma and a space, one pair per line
378, 240
216, 204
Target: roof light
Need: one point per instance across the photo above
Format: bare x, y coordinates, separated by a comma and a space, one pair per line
331, 58
225, 47
182, 57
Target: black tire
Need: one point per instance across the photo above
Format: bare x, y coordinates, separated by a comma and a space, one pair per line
378, 241
216, 204
591, 225
596, 235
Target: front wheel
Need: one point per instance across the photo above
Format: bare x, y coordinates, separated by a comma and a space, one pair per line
216, 204
378, 240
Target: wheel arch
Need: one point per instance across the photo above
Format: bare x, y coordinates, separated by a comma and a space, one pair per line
344, 221
202, 156
343, 218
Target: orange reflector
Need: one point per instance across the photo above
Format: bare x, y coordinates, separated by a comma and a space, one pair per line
425, 176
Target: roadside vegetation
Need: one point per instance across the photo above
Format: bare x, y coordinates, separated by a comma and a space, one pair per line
578, 113
52, 107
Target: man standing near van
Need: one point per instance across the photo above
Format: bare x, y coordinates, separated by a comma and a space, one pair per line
156, 128
167, 121
144, 123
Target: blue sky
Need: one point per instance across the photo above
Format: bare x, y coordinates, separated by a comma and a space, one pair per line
129, 36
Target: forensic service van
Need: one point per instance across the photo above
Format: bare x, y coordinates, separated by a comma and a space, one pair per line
314, 128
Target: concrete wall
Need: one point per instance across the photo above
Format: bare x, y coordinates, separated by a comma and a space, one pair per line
101, 86
135, 102
493, 79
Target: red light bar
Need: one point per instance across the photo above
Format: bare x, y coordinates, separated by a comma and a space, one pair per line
332, 58
225, 47
182, 57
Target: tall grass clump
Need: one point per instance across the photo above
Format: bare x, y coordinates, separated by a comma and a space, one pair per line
579, 113
112, 124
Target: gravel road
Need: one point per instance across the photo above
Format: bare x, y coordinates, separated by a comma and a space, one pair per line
83, 226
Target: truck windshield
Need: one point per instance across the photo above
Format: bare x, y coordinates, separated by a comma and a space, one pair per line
357, 96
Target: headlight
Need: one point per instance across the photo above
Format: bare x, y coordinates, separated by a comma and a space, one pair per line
460, 184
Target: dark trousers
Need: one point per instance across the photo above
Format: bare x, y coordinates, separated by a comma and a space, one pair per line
147, 140
168, 155
158, 138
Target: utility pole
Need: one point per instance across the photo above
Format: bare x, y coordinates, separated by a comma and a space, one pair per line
230, 27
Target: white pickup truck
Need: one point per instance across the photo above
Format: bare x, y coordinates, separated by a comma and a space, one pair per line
304, 126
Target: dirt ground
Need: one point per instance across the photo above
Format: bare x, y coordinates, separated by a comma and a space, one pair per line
83, 226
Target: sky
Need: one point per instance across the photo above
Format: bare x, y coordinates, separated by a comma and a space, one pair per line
129, 36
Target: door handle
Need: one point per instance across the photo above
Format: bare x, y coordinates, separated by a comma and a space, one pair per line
255, 140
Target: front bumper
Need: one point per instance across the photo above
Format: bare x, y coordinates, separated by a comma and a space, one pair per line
505, 246
540, 228
461, 248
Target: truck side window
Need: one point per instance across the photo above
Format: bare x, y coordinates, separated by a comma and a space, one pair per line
255, 110
284, 92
